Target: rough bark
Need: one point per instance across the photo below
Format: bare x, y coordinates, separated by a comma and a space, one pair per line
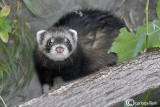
106, 87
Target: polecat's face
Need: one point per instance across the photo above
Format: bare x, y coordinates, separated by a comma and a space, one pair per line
57, 45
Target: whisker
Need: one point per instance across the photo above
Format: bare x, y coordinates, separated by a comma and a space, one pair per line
71, 60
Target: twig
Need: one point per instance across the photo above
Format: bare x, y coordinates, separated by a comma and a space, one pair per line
3, 2
122, 2
127, 23
146, 10
119, 6
3, 101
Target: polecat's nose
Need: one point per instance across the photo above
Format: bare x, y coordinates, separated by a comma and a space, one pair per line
59, 49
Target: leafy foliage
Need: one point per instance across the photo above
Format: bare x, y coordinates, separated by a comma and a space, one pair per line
128, 45
5, 27
154, 34
158, 9
15, 59
3, 70
14, 55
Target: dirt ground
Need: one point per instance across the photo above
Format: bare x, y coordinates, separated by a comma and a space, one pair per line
133, 10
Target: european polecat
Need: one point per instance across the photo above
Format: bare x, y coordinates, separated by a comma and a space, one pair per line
75, 46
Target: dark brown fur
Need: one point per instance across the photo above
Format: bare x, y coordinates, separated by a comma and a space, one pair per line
96, 31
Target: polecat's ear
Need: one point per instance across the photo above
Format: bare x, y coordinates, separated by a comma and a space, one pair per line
74, 32
40, 35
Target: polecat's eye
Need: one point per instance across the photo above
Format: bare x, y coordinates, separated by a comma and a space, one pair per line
50, 42
67, 42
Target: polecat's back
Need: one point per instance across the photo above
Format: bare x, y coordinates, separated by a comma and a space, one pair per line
90, 20
95, 28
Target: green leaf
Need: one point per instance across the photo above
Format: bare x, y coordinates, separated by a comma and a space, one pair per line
4, 36
79, 12
124, 45
5, 11
142, 30
30, 7
139, 45
5, 24
158, 9
154, 34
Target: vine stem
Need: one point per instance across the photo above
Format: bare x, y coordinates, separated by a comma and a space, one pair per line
3, 101
146, 10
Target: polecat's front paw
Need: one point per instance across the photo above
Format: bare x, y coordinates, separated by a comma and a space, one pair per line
46, 88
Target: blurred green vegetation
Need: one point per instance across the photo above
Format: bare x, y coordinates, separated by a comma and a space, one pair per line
16, 45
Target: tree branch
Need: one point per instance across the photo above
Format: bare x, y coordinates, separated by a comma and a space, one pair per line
107, 87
